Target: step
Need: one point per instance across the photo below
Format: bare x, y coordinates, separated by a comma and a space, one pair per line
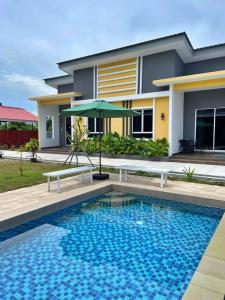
198, 161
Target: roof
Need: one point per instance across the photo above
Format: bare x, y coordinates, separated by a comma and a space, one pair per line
178, 42
68, 95
189, 78
55, 81
16, 114
181, 34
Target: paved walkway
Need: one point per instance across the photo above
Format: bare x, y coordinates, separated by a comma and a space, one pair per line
174, 167
21, 200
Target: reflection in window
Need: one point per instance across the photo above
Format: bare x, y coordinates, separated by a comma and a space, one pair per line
205, 127
49, 127
94, 126
142, 124
220, 129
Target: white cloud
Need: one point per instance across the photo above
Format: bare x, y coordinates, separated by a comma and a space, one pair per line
34, 85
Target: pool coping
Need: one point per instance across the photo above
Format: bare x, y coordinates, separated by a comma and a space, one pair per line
208, 281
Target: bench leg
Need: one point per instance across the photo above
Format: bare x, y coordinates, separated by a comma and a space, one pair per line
162, 180
120, 175
91, 177
126, 175
58, 184
49, 184
165, 178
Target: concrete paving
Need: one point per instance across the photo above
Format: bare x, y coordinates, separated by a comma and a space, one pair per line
175, 167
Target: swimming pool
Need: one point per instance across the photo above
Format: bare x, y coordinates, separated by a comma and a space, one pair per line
115, 246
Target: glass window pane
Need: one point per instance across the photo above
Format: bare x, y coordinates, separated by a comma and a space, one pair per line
137, 123
91, 124
220, 129
98, 125
148, 120
49, 127
68, 130
204, 128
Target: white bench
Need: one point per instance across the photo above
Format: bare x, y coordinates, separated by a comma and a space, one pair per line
125, 168
58, 174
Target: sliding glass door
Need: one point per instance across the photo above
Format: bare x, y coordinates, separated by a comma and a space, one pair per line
210, 128
220, 129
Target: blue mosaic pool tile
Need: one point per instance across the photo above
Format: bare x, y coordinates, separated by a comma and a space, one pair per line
115, 246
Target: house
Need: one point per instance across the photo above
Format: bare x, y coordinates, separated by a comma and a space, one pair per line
16, 115
179, 90
16, 126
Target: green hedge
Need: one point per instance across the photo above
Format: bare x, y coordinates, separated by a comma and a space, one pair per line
113, 143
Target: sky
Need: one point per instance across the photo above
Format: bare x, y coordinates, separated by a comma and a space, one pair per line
36, 34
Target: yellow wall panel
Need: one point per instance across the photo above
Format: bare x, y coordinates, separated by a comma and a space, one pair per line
122, 93
115, 81
117, 76
161, 126
142, 103
203, 84
118, 87
117, 123
116, 63
117, 69
55, 101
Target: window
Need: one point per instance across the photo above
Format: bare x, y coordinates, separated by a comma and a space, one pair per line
142, 124
49, 127
94, 126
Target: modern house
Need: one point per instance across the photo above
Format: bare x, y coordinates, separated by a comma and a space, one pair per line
179, 90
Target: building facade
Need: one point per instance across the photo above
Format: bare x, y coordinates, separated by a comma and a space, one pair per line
179, 91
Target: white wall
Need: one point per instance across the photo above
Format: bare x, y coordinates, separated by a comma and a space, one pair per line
176, 120
43, 111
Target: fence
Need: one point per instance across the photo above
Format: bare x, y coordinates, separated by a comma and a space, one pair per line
17, 137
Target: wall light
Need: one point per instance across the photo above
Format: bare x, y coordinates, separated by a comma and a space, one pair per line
162, 116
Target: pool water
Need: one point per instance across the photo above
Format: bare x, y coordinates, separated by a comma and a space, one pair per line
115, 246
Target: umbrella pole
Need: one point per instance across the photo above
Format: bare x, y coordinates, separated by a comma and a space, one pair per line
100, 175
100, 144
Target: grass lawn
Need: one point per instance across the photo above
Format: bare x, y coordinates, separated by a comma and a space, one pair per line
10, 178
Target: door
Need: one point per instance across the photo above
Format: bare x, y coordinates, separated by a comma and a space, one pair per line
67, 130
210, 128
205, 127
220, 129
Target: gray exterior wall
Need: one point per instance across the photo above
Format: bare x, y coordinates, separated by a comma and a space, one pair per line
62, 125
158, 66
83, 82
197, 100
203, 66
65, 88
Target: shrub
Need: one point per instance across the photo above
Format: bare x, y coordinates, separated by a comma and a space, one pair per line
113, 143
189, 173
32, 146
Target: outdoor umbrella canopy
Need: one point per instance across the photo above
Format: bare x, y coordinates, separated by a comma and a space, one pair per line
99, 109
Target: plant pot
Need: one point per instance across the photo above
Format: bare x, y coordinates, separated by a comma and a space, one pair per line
1, 155
33, 159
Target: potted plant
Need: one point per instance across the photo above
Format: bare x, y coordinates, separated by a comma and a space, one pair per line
32, 146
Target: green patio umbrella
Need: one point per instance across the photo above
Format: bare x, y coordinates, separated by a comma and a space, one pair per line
100, 109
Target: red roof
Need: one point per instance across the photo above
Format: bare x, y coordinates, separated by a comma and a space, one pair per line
9, 113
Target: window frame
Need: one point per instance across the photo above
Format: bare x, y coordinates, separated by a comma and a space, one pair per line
95, 132
48, 117
142, 109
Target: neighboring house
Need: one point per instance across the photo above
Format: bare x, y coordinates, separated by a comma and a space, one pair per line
9, 117
180, 92
16, 114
